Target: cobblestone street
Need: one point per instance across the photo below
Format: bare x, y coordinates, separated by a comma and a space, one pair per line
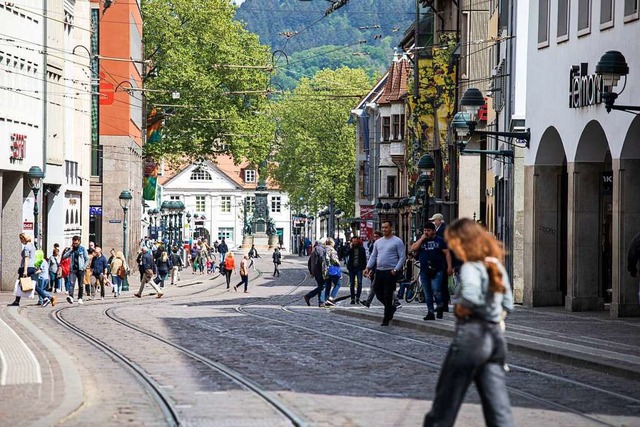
208, 350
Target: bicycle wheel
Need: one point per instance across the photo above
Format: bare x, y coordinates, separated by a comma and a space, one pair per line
410, 293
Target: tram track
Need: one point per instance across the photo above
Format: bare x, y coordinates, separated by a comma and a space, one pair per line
527, 395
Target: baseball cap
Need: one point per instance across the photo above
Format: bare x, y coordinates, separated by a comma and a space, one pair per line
437, 216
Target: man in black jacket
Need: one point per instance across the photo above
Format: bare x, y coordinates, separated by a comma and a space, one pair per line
356, 263
149, 267
316, 270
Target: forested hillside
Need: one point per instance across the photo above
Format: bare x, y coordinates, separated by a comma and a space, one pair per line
361, 34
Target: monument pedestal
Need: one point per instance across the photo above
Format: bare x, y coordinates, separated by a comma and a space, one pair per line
261, 241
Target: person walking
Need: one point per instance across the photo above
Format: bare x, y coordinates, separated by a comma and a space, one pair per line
244, 274
315, 265
356, 262
377, 234
54, 267
438, 221
433, 253
163, 266
79, 261
27, 268
332, 273
253, 252
223, 249
388, 257
277, 259
118, 269
100, 268
42, 272
478, 350
177, 264
229, 266
149, 267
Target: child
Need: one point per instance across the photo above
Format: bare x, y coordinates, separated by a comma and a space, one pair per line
44, 298
211, 267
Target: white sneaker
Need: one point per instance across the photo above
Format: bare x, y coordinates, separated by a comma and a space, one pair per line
70, 299
80, 301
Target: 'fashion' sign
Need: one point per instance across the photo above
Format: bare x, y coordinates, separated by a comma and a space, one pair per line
584, 89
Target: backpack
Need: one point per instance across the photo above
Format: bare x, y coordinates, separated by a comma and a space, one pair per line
65, 267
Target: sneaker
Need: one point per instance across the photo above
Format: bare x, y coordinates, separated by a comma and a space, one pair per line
307, 300
329, 303
235, 289
353, 302
70, 299
80, 301
14, 304
384, 324
398, 305
53, 301
46, 302
246, 292
365, 303
430, 316
101, 298
322, 305
439, 313
159, 295
137, 295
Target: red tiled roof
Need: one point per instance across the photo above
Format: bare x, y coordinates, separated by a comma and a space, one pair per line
395, 88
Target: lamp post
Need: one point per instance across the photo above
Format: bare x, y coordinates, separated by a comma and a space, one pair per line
179, 212
125, 200
611, 67
35, 176
426, 164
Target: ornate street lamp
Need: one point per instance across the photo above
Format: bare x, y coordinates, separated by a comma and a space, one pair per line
471, 102
611, 67
125, 201
35, 176
426, 164
460, 125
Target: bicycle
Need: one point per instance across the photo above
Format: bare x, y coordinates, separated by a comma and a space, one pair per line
414, 290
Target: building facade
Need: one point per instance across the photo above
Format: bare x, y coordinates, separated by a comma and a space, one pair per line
219, 198
45, 97
581, 185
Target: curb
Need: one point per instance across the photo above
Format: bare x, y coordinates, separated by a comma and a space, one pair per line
599, 360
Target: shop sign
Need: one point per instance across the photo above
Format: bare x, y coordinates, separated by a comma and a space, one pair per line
607, 183
18, 146
584, 89
27, 226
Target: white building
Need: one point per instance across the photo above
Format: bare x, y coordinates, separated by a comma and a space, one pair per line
216, 194
581, 174
45, 121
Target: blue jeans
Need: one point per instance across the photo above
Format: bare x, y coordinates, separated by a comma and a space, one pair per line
356, 288
318, 289
431, 287
402, 286
477, 353
117, 283
336, 281
41, 289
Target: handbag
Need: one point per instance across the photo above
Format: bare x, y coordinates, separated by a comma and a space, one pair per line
26, 284
335, 270
122, 272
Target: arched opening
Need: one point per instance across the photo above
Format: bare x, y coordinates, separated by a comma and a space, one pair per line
590, 222
546, 223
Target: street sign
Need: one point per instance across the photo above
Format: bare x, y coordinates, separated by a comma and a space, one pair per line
115, 221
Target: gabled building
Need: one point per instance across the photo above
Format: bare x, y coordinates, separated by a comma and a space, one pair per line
219, 198
381, 149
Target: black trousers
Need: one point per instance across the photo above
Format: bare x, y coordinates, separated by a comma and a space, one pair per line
384, 286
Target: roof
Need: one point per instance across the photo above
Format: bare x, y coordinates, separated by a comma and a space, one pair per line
225, 165
395, 88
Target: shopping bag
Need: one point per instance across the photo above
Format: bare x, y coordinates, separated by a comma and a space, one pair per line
26, 284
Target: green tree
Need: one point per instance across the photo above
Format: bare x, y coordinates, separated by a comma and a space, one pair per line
221, 71
315, 154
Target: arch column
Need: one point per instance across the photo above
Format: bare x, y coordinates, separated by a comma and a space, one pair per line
544, 275
583, 238
626, 224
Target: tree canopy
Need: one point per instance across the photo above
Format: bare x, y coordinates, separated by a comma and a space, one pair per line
314, 158
221, 72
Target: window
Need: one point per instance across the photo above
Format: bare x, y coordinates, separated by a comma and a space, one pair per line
630, 10
174, 198
276, 204
543, 23
249, 175
398, 127
391, 186
584, 17
226, 233
606, 14
200, 175
200, 204
250, 204
225, 204
563, 20
386, 128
